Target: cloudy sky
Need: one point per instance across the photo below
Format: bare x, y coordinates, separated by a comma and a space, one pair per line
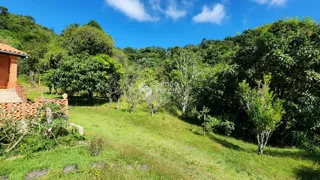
166, 23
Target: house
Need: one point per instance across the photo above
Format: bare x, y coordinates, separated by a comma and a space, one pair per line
13, 100
10, 90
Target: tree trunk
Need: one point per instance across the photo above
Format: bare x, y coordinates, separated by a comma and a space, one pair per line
262, 139
152, 110
184, 109
118, 104
110, 100
90, 97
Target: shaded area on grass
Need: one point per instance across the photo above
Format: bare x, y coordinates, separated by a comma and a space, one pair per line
226, 144
268, 151
307, 173
304, 173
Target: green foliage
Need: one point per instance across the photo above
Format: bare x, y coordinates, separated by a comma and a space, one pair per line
183, 70
131, 86
35, 143
86, 39
289, 49
35, 134
264, 110
10, 132
213, 124
146, 57
84, 73
207, 74
94, 23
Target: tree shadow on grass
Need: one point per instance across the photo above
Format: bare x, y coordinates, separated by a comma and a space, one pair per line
307, 173
83, 101
191, 120
304, 173
269, 152
225, 143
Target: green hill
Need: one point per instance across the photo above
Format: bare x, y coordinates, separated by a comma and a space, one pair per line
164, 147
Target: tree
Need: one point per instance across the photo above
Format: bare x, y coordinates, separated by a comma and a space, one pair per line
115, 72
155, 96
264, 110
94, 23
86, 39
184, 73
289, 49
3, 11
132, 89
84, 73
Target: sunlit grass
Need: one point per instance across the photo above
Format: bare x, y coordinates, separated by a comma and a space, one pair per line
164, 147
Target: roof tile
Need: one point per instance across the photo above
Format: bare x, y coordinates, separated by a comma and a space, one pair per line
11, 50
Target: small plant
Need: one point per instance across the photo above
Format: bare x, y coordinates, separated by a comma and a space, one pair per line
213, 124
263, 108
96, 146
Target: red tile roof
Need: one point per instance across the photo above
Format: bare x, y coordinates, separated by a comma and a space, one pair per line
6, 49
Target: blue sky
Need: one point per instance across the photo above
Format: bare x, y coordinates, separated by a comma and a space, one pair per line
165, 23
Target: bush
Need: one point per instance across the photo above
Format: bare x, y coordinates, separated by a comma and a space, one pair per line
218, 125
35, 143
213, 124
40, 133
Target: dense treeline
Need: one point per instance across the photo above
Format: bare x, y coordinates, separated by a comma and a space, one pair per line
264, 81
286, 49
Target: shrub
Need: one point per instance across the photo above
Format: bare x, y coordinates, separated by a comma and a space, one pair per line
213, 124
39, 133
218, 125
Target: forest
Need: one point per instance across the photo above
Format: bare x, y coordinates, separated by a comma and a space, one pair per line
262, 85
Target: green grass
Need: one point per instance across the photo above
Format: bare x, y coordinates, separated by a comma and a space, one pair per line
164, 147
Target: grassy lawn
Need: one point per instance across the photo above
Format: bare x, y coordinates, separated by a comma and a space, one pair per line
164, 147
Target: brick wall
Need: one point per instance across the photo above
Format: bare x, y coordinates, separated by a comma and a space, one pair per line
22, 110
21, 93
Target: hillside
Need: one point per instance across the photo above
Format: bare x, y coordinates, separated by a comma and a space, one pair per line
164, 147
245, 107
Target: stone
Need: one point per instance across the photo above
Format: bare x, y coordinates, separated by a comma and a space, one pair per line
70, 168
98, 165
130, 167
144, 167
80, 128
4, 177
36, 174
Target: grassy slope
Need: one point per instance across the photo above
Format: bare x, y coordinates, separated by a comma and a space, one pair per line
165, 147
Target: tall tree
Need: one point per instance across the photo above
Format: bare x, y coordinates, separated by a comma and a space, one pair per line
87, 39
184, 73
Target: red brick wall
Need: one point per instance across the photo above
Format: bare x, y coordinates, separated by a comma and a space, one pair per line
21, 93
13, 72
22, 110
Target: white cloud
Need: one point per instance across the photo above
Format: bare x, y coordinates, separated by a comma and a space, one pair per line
175, 13
132, 8
214, 15
261, 1
278, 2
272, 2
187, 3
155, 5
